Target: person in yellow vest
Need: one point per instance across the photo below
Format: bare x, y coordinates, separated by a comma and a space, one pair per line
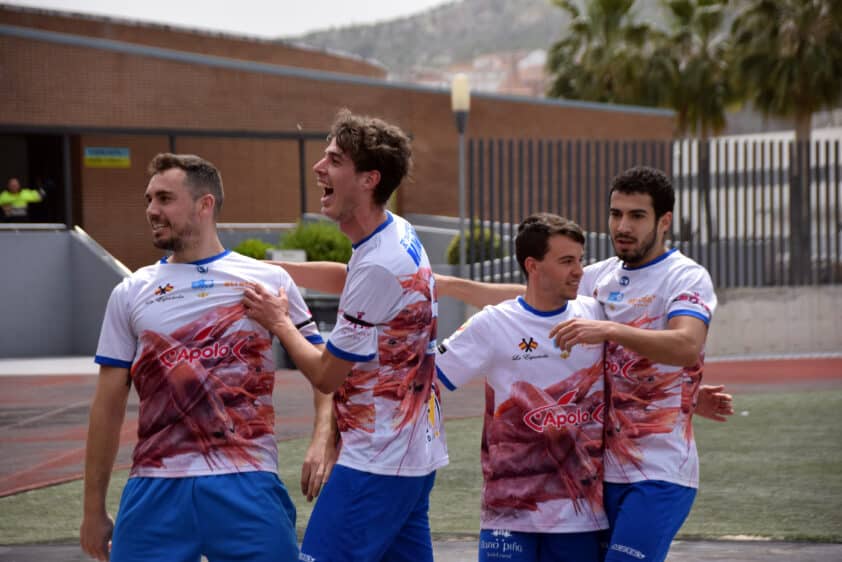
15, 200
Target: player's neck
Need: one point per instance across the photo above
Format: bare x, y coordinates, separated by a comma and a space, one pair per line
202, 250
363, 223
543, 302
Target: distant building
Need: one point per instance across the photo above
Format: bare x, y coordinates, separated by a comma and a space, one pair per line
86, 102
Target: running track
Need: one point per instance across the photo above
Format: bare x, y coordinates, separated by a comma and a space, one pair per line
43, 417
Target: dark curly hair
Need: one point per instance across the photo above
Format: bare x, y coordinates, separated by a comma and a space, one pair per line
373, 144
643, 179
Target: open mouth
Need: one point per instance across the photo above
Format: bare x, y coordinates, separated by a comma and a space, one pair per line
327, 193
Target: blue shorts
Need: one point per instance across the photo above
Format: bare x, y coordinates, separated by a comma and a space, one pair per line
513, 546
242, 516
644, 517
371, 517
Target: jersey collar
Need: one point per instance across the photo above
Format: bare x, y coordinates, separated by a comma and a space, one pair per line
218, 256
389, 220
522, 302
659, 259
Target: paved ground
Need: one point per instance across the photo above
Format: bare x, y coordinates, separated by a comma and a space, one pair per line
44, 405
466, 551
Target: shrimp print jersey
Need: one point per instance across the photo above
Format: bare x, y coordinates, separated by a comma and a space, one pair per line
544, 408
203, 371
388, 409
649, 434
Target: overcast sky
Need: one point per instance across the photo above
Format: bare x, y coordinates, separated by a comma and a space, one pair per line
263, 18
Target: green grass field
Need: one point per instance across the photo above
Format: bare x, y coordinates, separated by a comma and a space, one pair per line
775, 472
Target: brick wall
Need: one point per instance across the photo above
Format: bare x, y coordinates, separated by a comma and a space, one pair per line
48, 84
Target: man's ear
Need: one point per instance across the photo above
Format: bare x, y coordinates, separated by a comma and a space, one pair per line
372, 179
530, 264
665, 222
207, 203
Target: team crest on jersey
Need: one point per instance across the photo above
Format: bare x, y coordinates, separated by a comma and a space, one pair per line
162, 293
528, 347
565, 412
164, 289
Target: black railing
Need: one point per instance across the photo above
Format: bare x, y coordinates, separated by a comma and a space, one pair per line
754, 212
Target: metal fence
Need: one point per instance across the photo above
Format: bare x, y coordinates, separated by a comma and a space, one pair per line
754, 213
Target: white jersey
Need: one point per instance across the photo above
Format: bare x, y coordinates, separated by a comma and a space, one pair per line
388, 410
543, 427
649, 435
204, 372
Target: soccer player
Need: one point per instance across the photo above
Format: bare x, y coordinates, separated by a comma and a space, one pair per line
543, 428
658, 305
204, 471
379, 358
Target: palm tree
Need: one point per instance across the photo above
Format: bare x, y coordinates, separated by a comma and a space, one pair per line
600, 58
787, 58
699, 91
691, 64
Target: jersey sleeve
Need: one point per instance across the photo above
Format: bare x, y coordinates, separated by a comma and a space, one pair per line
692, 295
465, 354
300, 313
117, 341
372, 296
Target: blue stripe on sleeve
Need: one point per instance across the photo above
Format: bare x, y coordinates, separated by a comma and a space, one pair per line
692, 313
111, 362
315, 339
349, 356
444, 380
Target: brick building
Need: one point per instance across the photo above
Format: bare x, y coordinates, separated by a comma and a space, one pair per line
86, 102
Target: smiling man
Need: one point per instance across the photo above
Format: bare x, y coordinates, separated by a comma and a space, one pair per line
379, 358
204, 476
542, 453
658, 304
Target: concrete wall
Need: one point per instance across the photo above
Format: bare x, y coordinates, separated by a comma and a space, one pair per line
784, 320
56, 285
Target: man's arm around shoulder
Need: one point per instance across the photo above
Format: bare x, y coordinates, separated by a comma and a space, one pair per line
476, 293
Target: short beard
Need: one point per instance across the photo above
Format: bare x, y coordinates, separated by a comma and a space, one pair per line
635, 258
170, 244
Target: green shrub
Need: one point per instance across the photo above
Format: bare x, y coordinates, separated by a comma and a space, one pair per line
323, 241
254, 248
485, 243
